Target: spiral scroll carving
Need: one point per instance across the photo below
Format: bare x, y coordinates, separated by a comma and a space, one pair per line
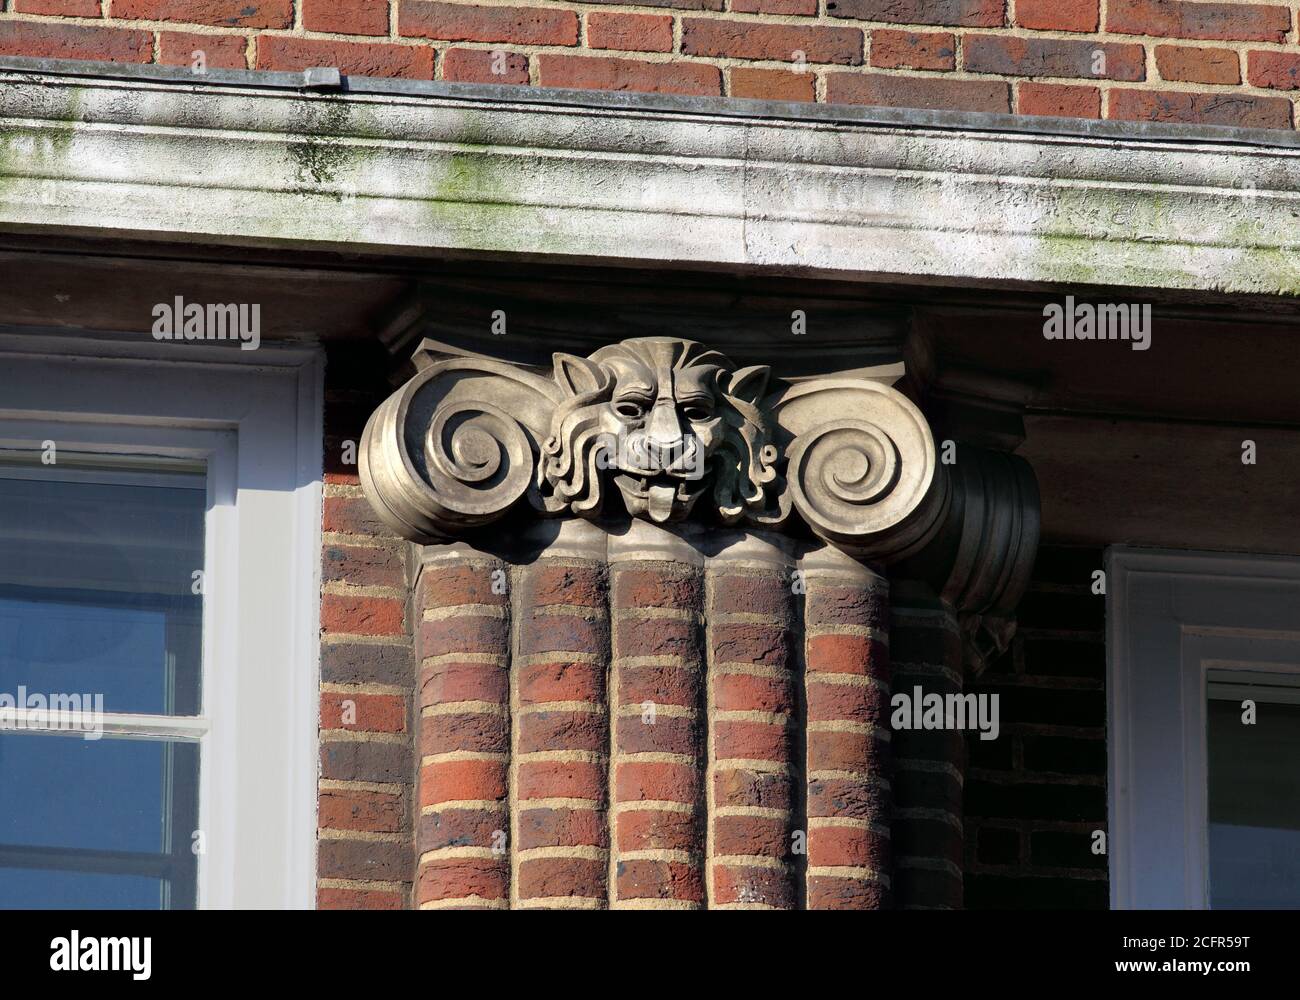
861, 468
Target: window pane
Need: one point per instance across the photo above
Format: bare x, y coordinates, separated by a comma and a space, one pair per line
96, 584
123, 811
1254, 806
36, 889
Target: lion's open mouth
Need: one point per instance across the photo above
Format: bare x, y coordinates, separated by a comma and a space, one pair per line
662, 494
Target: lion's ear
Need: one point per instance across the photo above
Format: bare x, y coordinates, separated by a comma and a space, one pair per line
749, 384
577, 376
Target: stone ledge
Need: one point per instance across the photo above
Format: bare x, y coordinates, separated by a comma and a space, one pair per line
420, 170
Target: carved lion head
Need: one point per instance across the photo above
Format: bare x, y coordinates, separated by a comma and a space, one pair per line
667, 420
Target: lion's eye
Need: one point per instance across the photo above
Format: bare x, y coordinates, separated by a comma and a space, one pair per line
631, 408
697, 412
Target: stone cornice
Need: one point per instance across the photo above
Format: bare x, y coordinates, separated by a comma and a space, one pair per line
244, 160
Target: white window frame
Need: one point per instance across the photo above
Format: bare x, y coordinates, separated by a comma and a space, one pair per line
255, 419
1172, 616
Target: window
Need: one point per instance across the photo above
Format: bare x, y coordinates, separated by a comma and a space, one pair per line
1204, 730
158, 588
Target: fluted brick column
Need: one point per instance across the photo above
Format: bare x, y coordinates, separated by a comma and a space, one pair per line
847, 691
753, 729
463, 644
560, 744
656, 634
657, 688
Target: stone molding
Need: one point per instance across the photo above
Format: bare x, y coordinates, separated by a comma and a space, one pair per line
852, 193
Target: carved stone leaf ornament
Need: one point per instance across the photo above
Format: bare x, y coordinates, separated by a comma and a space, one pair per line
667, 427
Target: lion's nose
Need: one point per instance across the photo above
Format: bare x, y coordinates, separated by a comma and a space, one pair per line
664, 428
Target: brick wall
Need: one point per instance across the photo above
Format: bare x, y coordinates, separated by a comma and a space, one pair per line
1034, 797
1224, 63
367, 761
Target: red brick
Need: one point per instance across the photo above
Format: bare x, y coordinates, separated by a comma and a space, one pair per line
834, 605
1223, 21
346, 17
751, 835
457, 22
471, 732
1058, 15
63, 8
342, 515
456, 878
762, 789
1059, 100
660, 880
562, 828
358, 615
910, 50
847, 703
360, 565
1241, 110
1053, 57
579, 586
847, 654
918, 92
748, 40
962, 13
561, 779
852, 846
846, 751
377, 860
451, 586
472, 827
539, 731
562, 634
751, 741
364, 760
543, 877
656, 782
484, 66
74, 41
658, 685
746, 594
827, 892
462, 781
764, 645
588, 73
450, 682
742, 884
657, 830
177, 48
667, 734
373, 713
1195, 65
222, 13
359, 899
748, 693
1278, 70
647, 588
802, 8
470, 634
561, 681
372, 812
280, 52
630, 32
657, 637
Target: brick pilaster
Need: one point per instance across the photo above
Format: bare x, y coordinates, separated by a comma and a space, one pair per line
846, 684
463, 839
560, 758
658, 744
